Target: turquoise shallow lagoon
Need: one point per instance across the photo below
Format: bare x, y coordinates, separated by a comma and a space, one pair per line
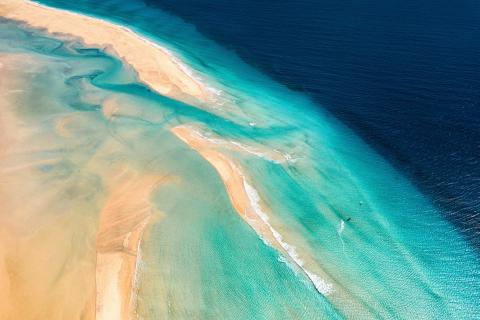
379, 245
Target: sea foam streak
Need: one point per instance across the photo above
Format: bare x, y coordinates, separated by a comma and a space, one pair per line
320, 284
259, 151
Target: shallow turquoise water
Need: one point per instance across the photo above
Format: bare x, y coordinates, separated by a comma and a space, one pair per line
355, 221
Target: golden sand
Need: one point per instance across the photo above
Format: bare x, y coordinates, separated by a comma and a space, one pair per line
68, 249
155, 66
40, 240
124, 216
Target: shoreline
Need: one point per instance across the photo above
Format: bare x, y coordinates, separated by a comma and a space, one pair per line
155, 65
247, 202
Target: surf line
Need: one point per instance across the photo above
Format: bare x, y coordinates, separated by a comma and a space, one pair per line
246, 201
340, 229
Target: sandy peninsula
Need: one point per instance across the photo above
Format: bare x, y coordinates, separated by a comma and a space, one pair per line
246, 200
231, 175
155, 66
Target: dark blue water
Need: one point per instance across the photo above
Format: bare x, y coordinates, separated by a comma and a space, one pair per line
404, 74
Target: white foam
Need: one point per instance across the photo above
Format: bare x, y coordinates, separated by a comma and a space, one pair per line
341, 227
253, 151
136, 277
289, 158
320, 284
138, 269
244, 147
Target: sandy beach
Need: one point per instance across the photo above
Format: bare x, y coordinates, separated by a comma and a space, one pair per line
155, 66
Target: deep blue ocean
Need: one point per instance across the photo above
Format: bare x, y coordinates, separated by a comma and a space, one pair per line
405, 75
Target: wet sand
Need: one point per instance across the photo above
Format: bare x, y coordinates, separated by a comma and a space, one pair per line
155, 66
